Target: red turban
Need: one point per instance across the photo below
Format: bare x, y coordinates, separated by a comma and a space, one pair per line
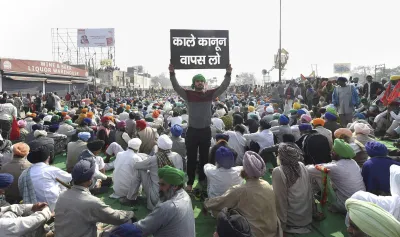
141, 124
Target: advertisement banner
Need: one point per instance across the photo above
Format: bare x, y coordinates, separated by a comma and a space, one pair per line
199, 49
96, 37
41, 67
341, 68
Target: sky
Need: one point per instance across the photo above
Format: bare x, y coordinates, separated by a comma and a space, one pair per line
321, 32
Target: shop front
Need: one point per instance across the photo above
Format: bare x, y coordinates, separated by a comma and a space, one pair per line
28, 76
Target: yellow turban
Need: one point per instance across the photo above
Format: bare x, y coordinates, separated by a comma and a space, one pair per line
296, 105
395, 78
251, 108
372, 219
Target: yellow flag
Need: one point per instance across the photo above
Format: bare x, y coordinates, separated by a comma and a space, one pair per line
312, 74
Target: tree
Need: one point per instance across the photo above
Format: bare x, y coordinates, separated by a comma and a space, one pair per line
161, 81
245, 78
362, 71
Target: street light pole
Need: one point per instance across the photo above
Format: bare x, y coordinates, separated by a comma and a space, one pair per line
280, 40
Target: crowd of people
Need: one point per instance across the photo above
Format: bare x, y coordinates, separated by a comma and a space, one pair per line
320, 140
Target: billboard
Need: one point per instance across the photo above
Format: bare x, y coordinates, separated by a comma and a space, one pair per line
199, 49
41, 67
103, 37
341, 68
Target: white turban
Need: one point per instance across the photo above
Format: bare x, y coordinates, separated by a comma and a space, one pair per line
372, 219
38, 133
164, 142
135, 143
270, 110
47, 118
126, 137
362, 128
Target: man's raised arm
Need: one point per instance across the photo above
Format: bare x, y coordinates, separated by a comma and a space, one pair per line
224, 85
181, 92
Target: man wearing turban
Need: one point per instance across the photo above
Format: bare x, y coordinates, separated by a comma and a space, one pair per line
375, 170
361, 132
178, 143
198, 135
345, 98
18, 164
292, 188
67, 130
149, 167
344, 172
368, 219
148, 136
283, 128
60, 140
173, 216
22, 219
124, 171
251, 197
318, 125
78, 211
224, 174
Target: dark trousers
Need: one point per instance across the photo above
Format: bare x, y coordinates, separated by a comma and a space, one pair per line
197, 140
5, 127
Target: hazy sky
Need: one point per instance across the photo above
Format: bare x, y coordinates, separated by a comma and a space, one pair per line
361, 32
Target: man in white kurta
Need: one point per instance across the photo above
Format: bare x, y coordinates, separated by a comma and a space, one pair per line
124, 171
21, 219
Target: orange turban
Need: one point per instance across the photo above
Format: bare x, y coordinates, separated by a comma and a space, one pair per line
90, 115
20, 149
318, 121
121, 105
33, 115
84, 110
63, 114
343, 131
128, 107
156, 114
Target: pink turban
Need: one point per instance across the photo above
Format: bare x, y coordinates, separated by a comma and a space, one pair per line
306, 117
21, 123
362, 128
343, 131
253, 164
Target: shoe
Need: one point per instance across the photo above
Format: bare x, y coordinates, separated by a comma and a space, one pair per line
97, 191
107, 183
126, 202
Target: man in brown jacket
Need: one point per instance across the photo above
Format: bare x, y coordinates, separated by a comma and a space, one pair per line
15, 167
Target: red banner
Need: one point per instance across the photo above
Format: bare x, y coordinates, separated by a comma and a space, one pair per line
41, 67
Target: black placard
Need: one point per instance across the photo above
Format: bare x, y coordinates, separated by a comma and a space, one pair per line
199, 49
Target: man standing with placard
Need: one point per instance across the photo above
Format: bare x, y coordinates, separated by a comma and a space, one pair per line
198, 135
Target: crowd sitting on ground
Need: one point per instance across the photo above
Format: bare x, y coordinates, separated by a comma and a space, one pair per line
320, 142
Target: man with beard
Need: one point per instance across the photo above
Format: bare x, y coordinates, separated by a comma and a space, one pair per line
173, 215
198, 135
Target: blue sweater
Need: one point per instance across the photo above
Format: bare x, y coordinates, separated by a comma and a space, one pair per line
376, 174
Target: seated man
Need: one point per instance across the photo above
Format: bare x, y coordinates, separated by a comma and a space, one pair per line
124, 171
79, 209
22, 219
93, 151
15, 168
344, 172
173, 216
60, 140
38, 183
6, 154
251, 197
148, 169
390, 203
222, 141
224, 175
375, 170
367, 219
74, 149
292, 188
